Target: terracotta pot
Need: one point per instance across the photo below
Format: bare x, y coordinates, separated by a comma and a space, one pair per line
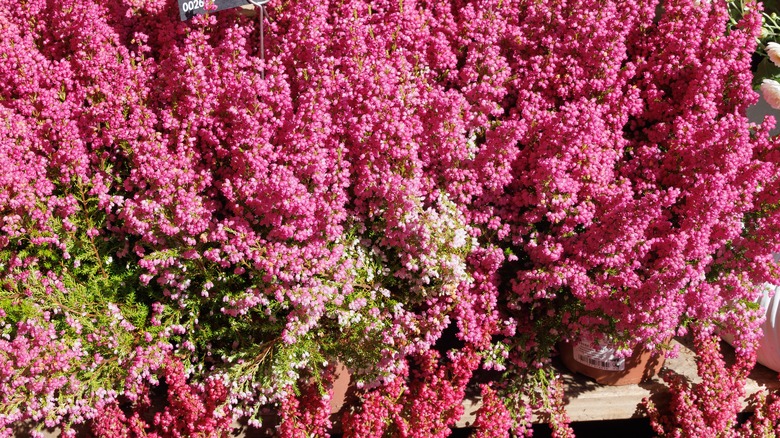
601, 365
341, 387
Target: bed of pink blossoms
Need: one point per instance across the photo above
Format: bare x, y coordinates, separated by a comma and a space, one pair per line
523, 171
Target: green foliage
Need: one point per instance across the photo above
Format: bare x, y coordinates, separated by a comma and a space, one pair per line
101, 303
770, 32
87, 294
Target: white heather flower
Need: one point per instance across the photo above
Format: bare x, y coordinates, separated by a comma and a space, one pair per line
773, 50
460, 238
771, 91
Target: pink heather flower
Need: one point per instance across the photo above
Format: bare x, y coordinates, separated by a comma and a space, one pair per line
708, 408
615, 161
771, 91
493, 419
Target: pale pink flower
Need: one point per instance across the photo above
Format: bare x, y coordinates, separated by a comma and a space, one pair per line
771, 91
773, 50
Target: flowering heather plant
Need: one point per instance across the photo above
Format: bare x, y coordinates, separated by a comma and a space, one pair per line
425, 407
252, 228
652, 232
765, 420
190, 411
708, 408
175, 208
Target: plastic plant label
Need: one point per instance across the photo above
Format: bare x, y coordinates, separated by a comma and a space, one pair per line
191, 8
602, 358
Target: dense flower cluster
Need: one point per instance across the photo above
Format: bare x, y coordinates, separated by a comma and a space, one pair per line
190, 411
708, 408
711, 406
176, 209
425, 407
635, 188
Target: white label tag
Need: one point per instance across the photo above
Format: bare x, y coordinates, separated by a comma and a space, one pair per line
191, 8
602, 358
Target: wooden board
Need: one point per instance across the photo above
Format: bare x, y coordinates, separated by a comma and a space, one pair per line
588, 401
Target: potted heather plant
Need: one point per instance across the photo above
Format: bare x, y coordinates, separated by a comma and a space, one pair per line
766, 61
185, 215
611, 206
233, 235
